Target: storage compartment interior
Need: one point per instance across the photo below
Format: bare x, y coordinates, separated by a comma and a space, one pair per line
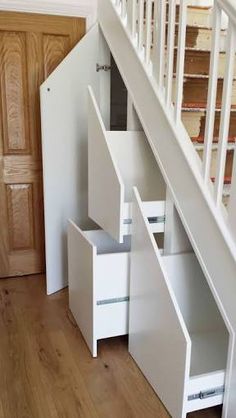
105, 244
203, 320
208, 333
137, 165
118, 161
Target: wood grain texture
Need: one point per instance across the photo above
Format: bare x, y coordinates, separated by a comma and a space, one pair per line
15, 117
55, 48
20, 198
47, 365
31, 47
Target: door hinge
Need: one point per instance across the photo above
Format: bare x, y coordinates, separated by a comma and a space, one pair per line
210, 393
102, 67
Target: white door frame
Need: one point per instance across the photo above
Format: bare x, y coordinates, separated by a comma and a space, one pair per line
80, 8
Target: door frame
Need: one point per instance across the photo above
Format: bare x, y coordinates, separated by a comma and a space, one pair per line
79, 8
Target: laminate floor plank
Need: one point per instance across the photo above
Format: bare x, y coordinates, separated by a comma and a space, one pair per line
47, 370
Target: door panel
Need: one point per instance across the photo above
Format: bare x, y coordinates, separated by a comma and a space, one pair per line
55, 48
31, 47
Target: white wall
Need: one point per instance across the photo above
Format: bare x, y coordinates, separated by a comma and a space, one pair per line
81, 8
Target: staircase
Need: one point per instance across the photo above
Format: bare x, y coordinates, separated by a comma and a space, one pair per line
196, 80
163, 192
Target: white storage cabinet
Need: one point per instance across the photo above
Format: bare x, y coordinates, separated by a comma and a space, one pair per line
176, 333
99, 272
118, 161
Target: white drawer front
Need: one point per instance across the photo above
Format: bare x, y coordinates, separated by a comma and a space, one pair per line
206, 391
111, 319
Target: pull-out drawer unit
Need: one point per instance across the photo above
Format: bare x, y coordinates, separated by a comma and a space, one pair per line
176, 333
99, 271
117, 162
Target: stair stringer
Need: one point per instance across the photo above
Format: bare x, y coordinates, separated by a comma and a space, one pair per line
181, 169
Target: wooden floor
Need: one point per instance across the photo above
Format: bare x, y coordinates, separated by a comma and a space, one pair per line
46, 370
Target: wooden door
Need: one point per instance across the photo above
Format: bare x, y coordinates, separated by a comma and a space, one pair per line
31, 46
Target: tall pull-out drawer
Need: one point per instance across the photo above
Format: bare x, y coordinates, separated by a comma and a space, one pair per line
117, 162
99, 271
176, 333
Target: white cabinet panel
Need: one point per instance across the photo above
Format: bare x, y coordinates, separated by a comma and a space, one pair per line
177, 335
117, 162
99, 271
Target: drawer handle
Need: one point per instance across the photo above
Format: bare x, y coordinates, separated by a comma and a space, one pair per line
111, 301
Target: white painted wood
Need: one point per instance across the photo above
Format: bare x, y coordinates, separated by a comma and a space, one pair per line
64, 144
99, 270
112, 320
232, 202
132, 16
105, 181
148, 31
182, 174
133, 122
159, 47
81, 257
117, 162
105, 244
212, 91
80, 8
225, 114
175, 238
198, 308
158, 338
209, 351
123, 8
170, 50
136, 165
172, 283
105, 82
180, 59
150, 209
229, 8
140, 24
112, 272
202, 383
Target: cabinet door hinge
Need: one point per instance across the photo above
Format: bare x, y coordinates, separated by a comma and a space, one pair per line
102, 67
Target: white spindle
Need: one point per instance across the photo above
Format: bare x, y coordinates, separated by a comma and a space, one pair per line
123, 8
131, 16
212, 90
170, 50
232, 200
225, 114
180, 59
148, 30
159, 47
140, 24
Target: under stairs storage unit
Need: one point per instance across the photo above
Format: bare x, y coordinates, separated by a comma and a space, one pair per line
180, 309
99, 270
117, 161
176, 333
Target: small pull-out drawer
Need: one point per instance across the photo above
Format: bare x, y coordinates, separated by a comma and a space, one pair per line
176, 333
99, 270
118, 161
